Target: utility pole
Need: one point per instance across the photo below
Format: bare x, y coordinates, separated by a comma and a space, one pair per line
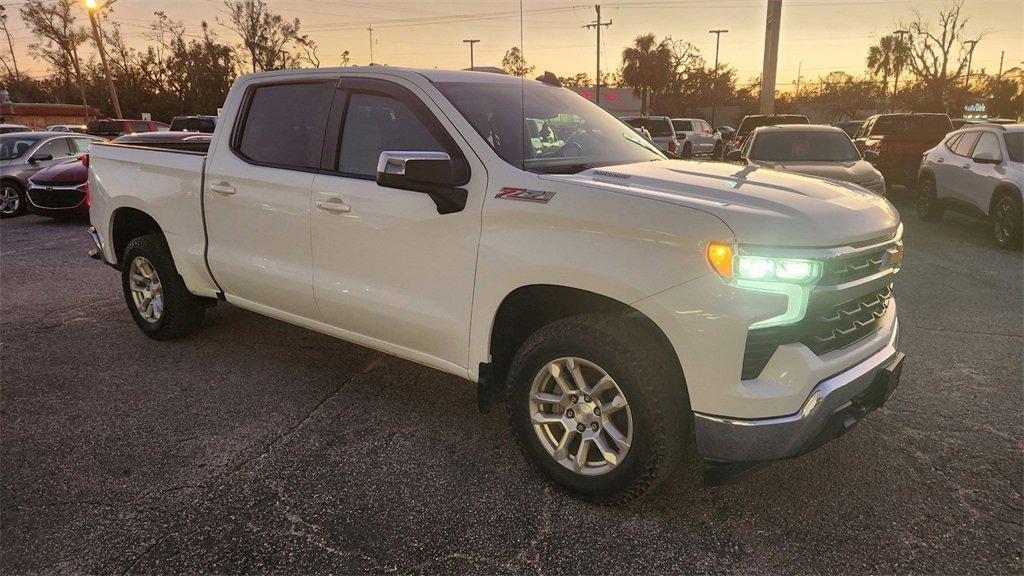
598, 24
771, 56
896, 81
796, 96
92, 8
970, 57
1001, 56
714, 81
470, 42
370, 29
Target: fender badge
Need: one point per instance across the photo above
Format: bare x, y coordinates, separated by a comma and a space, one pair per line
525, 195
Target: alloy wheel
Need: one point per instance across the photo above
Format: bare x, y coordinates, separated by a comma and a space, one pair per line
10, 200
580, 416
147, 293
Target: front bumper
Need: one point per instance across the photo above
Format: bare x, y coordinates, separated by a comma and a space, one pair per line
834, 406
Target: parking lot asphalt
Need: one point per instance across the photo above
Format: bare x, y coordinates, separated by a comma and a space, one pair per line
257, 446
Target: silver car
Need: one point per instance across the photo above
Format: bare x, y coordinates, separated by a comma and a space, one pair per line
22, 154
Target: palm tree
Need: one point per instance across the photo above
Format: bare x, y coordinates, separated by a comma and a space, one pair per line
647, 68
887, 57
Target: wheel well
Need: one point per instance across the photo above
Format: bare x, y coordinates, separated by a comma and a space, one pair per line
925, 174
129, 224
14, 181
527, 309
1003, 189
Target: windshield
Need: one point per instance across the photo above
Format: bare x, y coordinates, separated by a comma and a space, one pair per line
545, 129
1015, 145
12, 147
803, 147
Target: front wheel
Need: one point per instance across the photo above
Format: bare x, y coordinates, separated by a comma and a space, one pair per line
12, 200
687, 150
717, 154
1007, 225
596, 408
928, 207
157, 297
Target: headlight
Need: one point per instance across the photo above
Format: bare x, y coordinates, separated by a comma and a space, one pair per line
876, 184
736, 268
790, 276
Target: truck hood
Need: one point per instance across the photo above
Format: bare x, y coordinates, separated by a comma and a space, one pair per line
855, 171
762, 207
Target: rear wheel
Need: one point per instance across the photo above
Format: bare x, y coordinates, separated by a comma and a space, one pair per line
157, 297
596, 408
12, 200
929, 208
717, 155
1007, 222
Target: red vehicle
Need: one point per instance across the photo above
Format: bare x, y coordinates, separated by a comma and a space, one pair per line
62, 190
112, 128
900, 140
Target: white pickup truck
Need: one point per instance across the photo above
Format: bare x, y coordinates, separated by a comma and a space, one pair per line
516, 235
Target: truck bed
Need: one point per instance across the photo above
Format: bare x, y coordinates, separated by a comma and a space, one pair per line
165, 184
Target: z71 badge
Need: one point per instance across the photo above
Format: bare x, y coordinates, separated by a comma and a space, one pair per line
526, 195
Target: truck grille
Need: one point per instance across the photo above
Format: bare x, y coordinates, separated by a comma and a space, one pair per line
850, 268
823, 330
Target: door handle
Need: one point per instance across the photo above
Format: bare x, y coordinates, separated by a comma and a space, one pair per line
223, 188
941, 161
966, 166
337, 205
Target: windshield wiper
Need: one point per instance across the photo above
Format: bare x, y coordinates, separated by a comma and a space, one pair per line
564, 168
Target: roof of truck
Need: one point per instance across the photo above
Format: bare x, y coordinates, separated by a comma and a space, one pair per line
431, 75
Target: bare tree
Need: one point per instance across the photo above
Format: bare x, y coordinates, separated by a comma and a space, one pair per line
937, 55
265, 35
10, 44
346, 58
58, 37
309, 49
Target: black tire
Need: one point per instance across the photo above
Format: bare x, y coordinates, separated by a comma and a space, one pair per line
182, 311
1007, 222
9, 187
717, 154
687, 150
649, 381
929, 208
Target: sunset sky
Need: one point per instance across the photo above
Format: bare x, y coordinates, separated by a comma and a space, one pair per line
824, 35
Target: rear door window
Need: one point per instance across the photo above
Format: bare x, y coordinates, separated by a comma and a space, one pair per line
682, 125
966, 144
284, 124
1014, 145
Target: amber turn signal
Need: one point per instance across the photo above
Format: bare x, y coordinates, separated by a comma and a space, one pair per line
720, 258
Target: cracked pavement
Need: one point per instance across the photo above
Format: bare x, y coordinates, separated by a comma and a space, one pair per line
257, 446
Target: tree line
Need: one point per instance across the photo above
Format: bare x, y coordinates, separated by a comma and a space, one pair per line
182, 71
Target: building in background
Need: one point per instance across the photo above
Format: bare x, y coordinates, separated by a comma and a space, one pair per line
618, 101
39, 116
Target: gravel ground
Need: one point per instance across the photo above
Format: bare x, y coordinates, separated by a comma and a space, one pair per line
256, 446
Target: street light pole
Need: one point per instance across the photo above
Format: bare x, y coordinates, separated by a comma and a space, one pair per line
714, 81
91, 7
896, 81
470, 42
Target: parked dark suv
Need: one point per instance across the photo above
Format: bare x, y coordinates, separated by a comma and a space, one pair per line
900, 140
752, 121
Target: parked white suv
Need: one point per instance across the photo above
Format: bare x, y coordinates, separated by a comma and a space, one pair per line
977, 170
660, 129
697, 137
623, 304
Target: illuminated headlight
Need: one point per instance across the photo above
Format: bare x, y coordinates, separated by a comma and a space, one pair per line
789, 276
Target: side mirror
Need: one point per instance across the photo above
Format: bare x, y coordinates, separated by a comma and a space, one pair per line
734, 156
429, 172
40, 158
986, 158
871, 156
